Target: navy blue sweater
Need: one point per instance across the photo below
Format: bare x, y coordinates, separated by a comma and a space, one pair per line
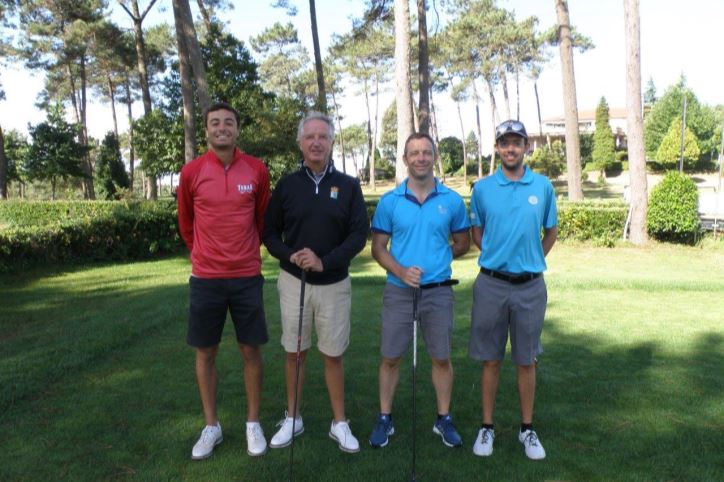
329, 218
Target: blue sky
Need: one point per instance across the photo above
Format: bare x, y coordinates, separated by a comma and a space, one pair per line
674, 40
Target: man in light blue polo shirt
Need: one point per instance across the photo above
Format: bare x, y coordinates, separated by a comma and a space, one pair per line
417, 219
508, 211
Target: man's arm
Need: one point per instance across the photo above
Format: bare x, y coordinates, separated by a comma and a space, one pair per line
549, 239
478, 236
274, 226
410, 276
262, 199
185, 205
461, 243
359, 226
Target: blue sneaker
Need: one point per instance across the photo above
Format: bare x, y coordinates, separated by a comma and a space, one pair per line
382, 431
444, 428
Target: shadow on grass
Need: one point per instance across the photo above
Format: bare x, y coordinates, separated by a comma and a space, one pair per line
128, 408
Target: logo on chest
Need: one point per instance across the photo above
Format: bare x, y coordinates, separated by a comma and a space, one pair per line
532, 200
245, 188
334, 192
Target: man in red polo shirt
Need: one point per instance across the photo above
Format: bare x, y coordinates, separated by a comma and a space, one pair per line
222, 197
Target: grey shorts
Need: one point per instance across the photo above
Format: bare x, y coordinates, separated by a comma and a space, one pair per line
499, 306
435, 311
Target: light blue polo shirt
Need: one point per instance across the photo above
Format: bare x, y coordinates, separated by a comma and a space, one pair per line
420, 233
511, 214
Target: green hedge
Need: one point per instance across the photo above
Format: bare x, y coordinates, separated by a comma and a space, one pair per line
33, 233
45, 232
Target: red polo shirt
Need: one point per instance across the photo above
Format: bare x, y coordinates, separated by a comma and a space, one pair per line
221, 214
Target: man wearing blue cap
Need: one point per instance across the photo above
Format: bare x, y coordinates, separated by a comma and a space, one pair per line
508, 211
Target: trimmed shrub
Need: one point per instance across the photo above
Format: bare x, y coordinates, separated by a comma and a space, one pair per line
673, 209
49, 232
601, 222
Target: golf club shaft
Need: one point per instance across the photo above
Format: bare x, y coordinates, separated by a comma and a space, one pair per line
296, 372
415, 296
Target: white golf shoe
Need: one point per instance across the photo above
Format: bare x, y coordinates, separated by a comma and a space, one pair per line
342, 434
211, 436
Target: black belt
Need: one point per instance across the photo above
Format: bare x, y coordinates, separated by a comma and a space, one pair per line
447, 282
517, 279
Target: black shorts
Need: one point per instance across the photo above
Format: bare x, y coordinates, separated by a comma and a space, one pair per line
209, 301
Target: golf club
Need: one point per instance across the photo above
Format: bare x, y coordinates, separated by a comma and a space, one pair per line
296, 374
415, 296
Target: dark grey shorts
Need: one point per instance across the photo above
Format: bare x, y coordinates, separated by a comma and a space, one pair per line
211, 299
435, 310
500, 306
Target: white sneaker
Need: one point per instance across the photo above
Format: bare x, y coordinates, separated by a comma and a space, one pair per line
533, 448
483, 445
255, 441
211, 436
342, 434
283, 437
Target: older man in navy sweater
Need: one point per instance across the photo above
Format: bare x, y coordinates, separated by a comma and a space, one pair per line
317, 222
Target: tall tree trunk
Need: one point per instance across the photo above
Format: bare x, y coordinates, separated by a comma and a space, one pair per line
377, 114
435, 136
321, 94
137, 18
494, 120
73, 92
112, 96
131, 150
140, 43
187, 92
205, 15
423, 69
573, 147
465, 149
3, 167
402, 84
517, 93
506, 97
339, 127
86, 162
185, 22
370, 156
634, 124
537, 106
480, 133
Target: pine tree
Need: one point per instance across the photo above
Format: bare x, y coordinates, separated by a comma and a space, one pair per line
604, 147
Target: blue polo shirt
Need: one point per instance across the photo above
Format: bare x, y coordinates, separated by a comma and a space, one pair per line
420, 233
511, 214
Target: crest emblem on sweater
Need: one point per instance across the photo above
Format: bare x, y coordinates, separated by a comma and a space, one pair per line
245, 188
532, 200
334, 192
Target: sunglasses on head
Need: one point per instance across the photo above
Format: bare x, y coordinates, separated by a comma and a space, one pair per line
511, 125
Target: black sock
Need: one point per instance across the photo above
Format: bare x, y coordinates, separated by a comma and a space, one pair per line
441, 416
489, 426
525, 426
386, 414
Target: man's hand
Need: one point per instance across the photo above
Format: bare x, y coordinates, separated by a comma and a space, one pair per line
411, 276
307, 260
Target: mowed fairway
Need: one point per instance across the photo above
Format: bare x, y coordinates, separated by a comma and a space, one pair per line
97, 383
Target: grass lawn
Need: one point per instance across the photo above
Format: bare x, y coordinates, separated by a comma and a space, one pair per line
97, 383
